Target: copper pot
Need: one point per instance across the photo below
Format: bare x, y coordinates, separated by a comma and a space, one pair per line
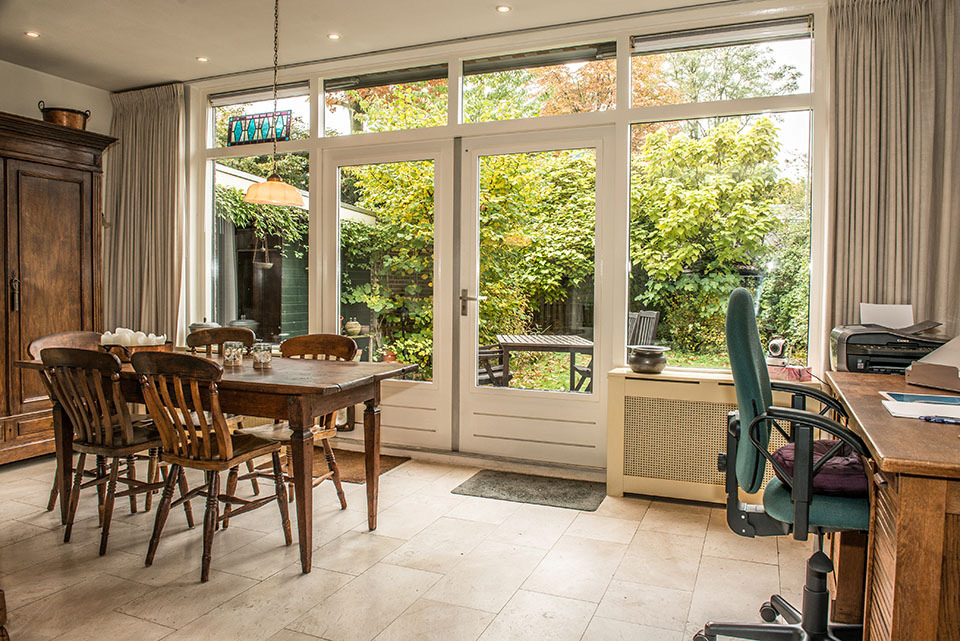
65, 117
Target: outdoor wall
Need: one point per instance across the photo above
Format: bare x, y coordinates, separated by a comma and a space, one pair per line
23, 87
293, 296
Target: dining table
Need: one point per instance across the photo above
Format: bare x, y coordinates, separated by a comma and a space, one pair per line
294, 390
564, 343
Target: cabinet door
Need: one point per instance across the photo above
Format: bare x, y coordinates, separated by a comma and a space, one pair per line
49, 253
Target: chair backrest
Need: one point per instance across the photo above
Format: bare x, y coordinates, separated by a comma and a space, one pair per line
754, 395
175, 388
209, 337
86, 383
78, 340
647, 322
328, 347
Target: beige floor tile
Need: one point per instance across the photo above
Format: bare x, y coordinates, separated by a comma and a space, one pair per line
290, 635
441, 545
65, 610
421, 470
26, 490
603, 528
12, 531
367, 605
723, 542
631, 508
113, 626
181, 601
393, 489
792, 556
532, 615
411, 514
661, 559
601, 629
718, 579
262, 558
487, 577
645, 604
264, 610
577, 568
450, 480
428, 620
475, 508
676, 518
354, 552
534, 526
11, 509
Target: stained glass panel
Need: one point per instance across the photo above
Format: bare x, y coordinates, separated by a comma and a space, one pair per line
247, 129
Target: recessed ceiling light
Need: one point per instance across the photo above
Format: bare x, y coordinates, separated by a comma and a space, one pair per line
504, 8
202, 59
334, 36
31, 34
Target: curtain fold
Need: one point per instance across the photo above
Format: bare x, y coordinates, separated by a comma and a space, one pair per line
144, 210
894, 187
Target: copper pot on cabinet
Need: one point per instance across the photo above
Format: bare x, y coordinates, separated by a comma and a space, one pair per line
64, 116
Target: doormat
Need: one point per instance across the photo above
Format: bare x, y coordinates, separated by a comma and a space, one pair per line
351, 464
539, 490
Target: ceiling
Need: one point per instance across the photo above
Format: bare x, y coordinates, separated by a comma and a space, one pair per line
121, 44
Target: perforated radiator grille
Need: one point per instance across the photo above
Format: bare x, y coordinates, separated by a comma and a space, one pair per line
676, 440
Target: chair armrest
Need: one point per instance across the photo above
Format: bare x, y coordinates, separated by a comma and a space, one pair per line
824, 423
803, 390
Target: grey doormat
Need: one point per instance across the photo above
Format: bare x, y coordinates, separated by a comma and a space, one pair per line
539, 490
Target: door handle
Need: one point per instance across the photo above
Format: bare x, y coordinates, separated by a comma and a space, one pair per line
14, 293
466, 298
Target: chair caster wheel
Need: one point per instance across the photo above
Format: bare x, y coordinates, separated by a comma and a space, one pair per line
700, 636
768, 613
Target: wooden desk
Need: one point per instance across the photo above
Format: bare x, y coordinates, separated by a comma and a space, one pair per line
913, 553
292, 389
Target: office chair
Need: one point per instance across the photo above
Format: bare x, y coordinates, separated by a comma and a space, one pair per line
791, 505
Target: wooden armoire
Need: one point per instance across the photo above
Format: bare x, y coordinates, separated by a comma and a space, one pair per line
50, 232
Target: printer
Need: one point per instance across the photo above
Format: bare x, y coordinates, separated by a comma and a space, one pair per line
881, 350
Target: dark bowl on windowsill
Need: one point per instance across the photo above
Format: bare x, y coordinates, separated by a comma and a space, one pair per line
647, 359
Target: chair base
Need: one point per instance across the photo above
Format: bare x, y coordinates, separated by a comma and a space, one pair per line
809, 624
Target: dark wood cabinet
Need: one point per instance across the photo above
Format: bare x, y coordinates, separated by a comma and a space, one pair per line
50, 235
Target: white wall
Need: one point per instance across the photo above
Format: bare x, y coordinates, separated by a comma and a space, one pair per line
23, 87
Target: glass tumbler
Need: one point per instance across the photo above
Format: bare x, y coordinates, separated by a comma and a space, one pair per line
262, 355
232, 354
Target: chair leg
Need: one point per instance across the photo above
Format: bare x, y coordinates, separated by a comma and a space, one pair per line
101, 489
54, 491
108, 504
332, 466
753, 631
783, 607
209, 523
163, 509
74, 497
231, 490
152, 467
184, 488
254, 483
288, 472
282, 497
132, 474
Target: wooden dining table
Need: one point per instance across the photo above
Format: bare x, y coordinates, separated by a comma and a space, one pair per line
294, 390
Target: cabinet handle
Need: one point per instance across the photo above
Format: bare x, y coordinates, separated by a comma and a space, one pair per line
14, 293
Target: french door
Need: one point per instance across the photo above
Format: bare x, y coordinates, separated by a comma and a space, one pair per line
532, 356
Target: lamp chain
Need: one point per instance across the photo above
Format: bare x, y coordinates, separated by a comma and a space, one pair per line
276, 66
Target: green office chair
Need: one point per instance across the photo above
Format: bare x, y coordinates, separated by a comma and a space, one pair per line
790, 507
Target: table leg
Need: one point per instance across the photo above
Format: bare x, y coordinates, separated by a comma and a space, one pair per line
506, 367
573, 370
371, 450
301, 448
63, 440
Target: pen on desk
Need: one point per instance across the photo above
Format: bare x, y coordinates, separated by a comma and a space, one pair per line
940, 419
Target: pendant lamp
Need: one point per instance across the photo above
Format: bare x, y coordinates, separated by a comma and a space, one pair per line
274, 191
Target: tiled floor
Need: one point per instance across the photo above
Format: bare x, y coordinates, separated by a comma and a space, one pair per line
440, 566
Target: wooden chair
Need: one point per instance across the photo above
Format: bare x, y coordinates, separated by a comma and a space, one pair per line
87, 386
641, 330
3, 618
217, 336
78, 340
318, 347
178, 388
490, 371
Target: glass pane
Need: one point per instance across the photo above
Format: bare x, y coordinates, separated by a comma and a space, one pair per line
386, 261
573, 87
410, 105
299, 106
718, 204
774, 68
536, 257
260, 251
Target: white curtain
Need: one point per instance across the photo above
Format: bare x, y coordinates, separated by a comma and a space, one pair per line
894, 184
144, 211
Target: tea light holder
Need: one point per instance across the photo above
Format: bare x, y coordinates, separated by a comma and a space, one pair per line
232, 354
262, 356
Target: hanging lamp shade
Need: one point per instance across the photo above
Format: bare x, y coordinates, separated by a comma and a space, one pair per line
274, 192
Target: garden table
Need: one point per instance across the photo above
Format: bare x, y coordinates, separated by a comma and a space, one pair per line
294, 390
567, 343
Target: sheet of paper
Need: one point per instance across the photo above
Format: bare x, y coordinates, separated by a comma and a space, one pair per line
932, 399
894, 316
916, 410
